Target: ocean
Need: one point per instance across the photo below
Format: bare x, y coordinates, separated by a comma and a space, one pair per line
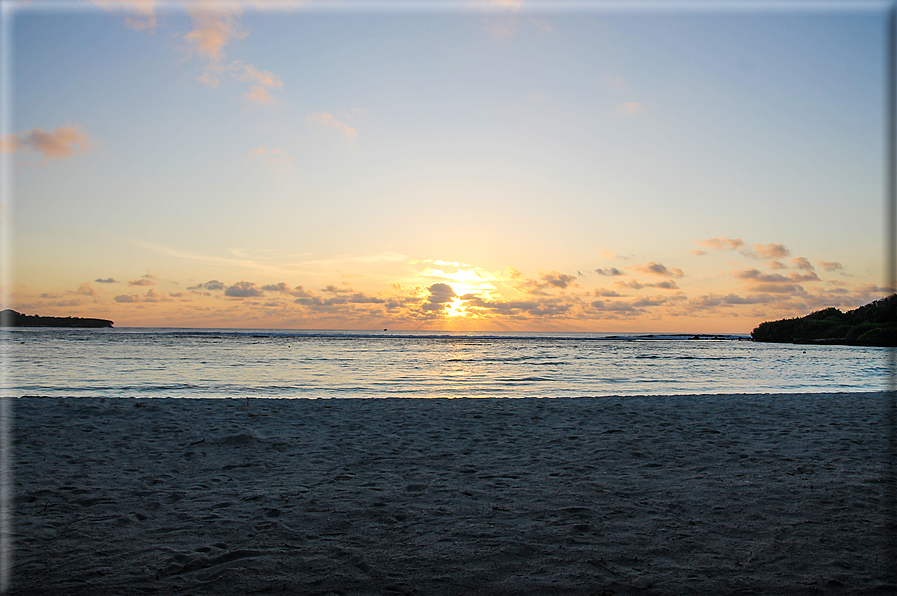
249, 363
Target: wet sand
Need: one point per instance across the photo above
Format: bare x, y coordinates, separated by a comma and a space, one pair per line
757, 494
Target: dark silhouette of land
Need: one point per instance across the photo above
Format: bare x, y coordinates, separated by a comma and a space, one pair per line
11, 318
874, 324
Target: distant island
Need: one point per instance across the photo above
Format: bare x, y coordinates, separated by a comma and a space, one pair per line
874, 324
11, 318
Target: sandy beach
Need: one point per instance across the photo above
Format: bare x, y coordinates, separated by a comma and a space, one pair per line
763, 494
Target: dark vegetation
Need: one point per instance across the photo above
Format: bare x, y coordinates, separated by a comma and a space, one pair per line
874, 324
11, 318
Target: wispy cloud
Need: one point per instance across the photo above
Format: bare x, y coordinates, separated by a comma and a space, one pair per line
722, 243
143, 12
630, 108
275, 155
327, 119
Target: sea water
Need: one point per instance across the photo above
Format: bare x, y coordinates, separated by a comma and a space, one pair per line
248, 363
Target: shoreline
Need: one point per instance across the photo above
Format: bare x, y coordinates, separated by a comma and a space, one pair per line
618, 495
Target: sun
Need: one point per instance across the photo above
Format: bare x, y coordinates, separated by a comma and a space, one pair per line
455, 308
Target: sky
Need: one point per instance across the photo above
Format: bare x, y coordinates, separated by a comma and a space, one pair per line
460, 165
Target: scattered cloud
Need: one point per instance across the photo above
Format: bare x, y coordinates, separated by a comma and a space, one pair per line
610, 271
614, 81
327, 119
58, 143
772, 250
86, 289
108, 280
143, 12
634, 284
283, 288
830, 265
248, 72
722, 243
547, 281
260, 95
605, 293
210, 286
146, 280
802, 263
653, 268
630, 108
213, 29
244, 289
276, 155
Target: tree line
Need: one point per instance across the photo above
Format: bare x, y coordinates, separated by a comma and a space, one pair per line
874, 324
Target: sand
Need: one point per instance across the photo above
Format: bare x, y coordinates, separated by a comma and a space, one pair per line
758, 494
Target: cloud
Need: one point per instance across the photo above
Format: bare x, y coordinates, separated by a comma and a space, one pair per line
144, 9
248, 72
605, 293
327, 119
611, 271
260, 95
653, 268
244, 289
213, 30
127, 298
108, 280
769, 282
212, 286
772, 250
154, 296
536, 308
332, 289
802, 263
722, 243
340, 301
58, 143
799, 277
547, 281
630, 108
275, 156
830, 265
441, 293
614, 81
146, 280
756, 275
559, 280
283, 288
638, 285
86, 289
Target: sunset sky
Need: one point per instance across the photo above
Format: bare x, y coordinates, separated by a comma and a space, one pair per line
463, 165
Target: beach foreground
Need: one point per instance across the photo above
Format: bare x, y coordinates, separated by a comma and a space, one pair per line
634, 495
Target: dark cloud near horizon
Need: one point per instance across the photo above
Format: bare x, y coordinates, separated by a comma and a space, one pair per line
108, 280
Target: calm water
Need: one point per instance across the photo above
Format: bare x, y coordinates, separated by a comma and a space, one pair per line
315, 364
